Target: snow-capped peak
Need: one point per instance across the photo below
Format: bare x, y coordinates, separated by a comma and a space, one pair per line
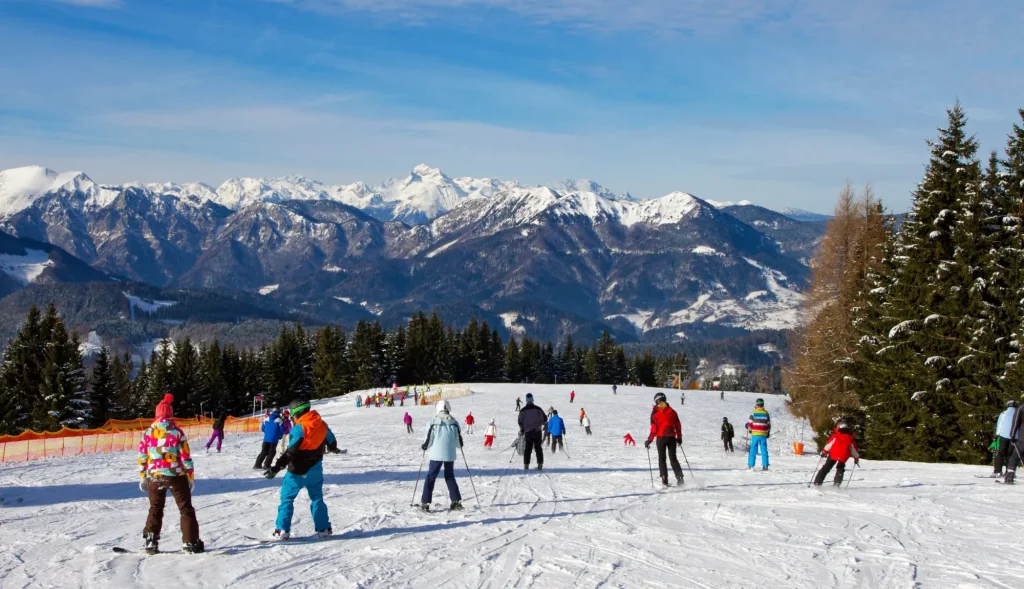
20, 187
425, 170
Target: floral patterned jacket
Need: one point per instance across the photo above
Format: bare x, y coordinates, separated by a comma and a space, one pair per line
164, 451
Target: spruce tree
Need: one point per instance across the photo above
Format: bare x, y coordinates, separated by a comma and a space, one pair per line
102, 398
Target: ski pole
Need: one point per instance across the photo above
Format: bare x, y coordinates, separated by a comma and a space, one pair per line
420, 471
848, 481
566, 452
815, 471
687, 462
466, 462
651, 466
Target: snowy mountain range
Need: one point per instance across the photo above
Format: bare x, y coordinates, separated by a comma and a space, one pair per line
550, 261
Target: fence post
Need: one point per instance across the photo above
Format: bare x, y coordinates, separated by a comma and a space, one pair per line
3, 452
81, 449
62, 446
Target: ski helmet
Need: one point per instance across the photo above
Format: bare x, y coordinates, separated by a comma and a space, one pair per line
759, 403
1011, 403
529, 397
660, 398
298, 407
443, 407
725, 420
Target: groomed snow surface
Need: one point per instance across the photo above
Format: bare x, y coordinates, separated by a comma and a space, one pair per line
592, 520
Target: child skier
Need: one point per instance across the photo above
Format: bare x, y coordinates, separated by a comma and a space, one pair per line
217, 432
443, 437
759, 426
272, 429
408, 422
839, 448
309, 439
556, 427
165, 464
489, 432
727, 434
665, 427
470, 420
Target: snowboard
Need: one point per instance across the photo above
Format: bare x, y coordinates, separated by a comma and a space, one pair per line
292, 540
120, 550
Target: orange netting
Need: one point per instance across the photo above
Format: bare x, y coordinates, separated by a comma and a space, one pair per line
114, 436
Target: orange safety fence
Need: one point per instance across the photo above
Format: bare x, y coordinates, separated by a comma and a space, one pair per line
113, 436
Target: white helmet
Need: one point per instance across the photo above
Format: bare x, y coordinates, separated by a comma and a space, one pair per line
442, 407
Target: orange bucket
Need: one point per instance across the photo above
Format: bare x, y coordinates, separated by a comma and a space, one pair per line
798, 448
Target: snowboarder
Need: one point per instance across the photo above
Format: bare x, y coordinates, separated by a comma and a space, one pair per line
1003, 441
309, 439
839, 448
489, 433
286, 426
556, 427
666, 429
408, 422
759, 426
470, 420
586, 424
628, 440
572, 396
272, 429
531, 423
519, 404
727, 434
165, 464
443, 438
217, 432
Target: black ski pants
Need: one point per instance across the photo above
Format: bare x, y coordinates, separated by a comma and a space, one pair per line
667, 446
1003, 454
266, 458
1015, 452
727, 442
408, 428
556, 443
827, 467
534, 441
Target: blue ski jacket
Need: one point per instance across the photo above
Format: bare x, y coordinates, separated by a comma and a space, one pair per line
272, 428
556, 426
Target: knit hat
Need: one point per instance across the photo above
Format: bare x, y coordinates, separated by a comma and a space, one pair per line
660, 398
529, 397
163, 409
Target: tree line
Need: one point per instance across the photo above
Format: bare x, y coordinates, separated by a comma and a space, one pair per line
44, 386
915, 335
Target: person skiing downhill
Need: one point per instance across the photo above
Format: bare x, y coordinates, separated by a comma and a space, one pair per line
583, 413
839, 448
556, 427
682, 398
165, 464
759, 426
310, 437
572, 396
443, 438
627, 440
615, 389
217, 432
531, 423
727, 434
470, 420
519, 404
272, 429
586, 424
1003, 440
286, 427
666, 429
489, 433
408, 422
1016, 448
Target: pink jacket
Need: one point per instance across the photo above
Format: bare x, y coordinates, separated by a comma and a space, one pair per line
408, 419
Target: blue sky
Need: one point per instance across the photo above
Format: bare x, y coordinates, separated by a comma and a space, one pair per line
775, 101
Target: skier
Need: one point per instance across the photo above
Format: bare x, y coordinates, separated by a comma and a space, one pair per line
401, 402
408, 422
727, 434
682, 398
489, 433
286, 426
586, 424
839, 448
572, 396
759, 426
359, 402
1016, 448
628, 440
217, 432
556, 427
721, 395
442, 437
519, 404
531, 422
165, 464
1003, 441
470, 420
583, 413
310, 438
615, 389
272, 432
665, 427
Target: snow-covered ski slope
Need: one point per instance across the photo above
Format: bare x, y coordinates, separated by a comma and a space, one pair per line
589, 520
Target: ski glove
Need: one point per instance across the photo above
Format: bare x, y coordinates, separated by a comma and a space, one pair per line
647, 444
144, 485
270, 473
856, 461
333, 449
191, 484
424, 447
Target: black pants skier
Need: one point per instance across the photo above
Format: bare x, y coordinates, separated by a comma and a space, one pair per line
668, 446
556, 443
1003, 454
1016, 451
519, 406
533, 442
826, 468
266, 458
588, 430
408, 428
727, 442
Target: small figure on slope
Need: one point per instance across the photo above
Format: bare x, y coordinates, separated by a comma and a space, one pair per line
165, 464
586, 424
556, 427
1016, 448
666, 429
286, 427
489, 433
272, 429
532, 422
572, 396
519, 404
727, 434
1003, 440
615, 389
470, 420
583, 413
628, 440
408, 422
759, 427
682, 398
443, 438
217, 432
839, 448
309, 439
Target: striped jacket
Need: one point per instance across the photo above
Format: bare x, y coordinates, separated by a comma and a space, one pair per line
760, 423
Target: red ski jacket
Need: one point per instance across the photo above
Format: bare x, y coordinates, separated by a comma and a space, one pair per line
841, 447
665, 424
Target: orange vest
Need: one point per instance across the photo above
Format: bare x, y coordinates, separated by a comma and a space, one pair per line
314, 431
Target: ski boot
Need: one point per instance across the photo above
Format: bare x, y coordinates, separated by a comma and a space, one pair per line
425, 507
540, 467
764, 468
526, 467
196, 547
679, 480
664, 482
325, 533
152, 543
456, 506
1008, 479
281, 535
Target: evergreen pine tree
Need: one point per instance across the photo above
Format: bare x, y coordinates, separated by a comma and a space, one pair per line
101, 391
